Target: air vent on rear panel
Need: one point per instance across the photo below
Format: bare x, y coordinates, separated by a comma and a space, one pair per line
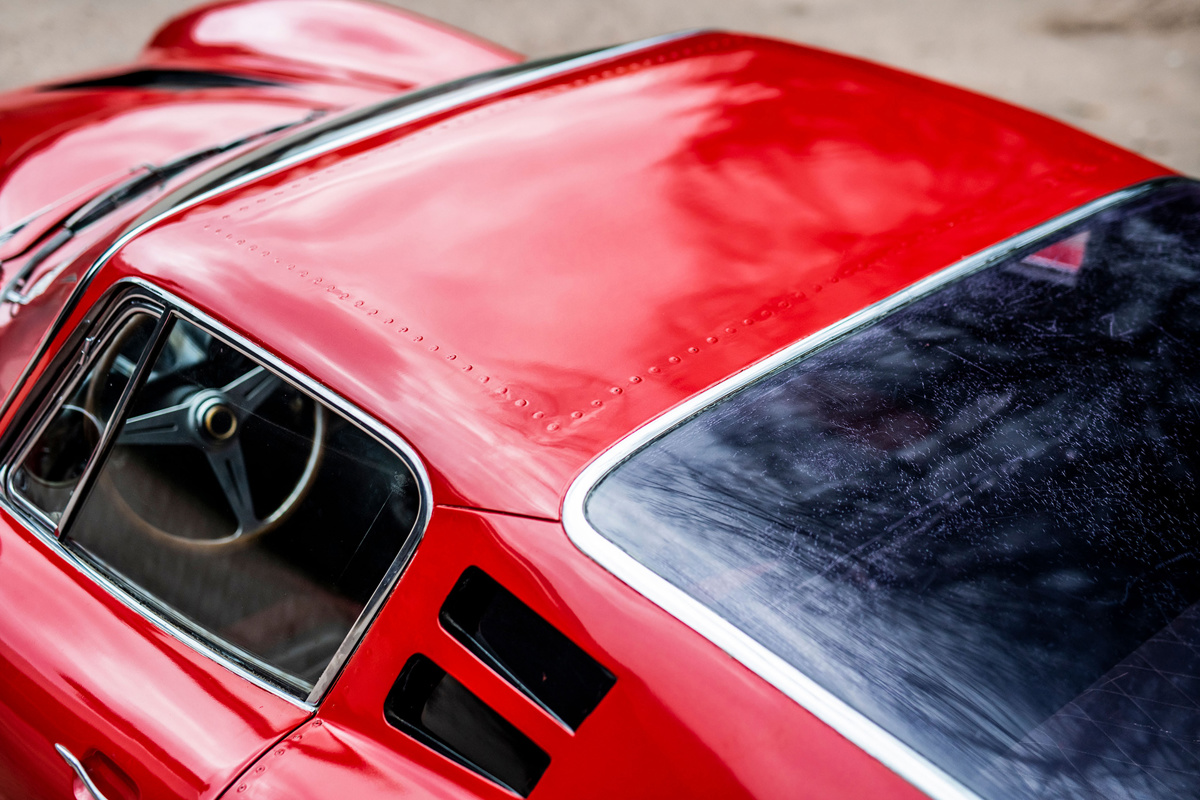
441, 713
525, 649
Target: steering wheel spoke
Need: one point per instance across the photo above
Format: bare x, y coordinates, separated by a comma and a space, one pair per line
230, 468
166, 426
250, 390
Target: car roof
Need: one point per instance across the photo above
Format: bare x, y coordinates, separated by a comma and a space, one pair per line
515, 283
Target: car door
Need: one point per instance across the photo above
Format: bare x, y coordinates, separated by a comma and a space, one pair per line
179, 584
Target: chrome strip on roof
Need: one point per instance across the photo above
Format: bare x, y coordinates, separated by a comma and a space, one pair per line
369, 127
890, 751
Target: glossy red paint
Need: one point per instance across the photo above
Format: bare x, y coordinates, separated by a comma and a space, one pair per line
324, 40
511, 285
78, 145
62, 146
534, 276
80, 668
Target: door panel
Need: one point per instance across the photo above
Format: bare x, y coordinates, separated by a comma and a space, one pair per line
81, 669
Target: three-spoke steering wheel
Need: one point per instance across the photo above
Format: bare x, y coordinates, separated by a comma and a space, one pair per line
212, 420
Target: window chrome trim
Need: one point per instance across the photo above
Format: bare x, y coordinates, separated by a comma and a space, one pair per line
122, 309
839, 715
124, 297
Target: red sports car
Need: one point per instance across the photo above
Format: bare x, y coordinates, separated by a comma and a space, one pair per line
386, 415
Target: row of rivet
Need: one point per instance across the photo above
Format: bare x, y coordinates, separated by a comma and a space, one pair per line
715, 44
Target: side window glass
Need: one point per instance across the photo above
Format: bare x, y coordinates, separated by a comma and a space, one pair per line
50, 468
244, 509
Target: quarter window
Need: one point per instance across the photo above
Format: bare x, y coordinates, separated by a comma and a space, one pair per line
228, 499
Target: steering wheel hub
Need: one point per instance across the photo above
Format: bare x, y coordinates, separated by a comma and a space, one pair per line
215, 419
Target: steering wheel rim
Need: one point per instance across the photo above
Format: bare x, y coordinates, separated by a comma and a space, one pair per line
209, 420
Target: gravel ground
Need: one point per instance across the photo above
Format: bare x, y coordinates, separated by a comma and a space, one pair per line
1126, 70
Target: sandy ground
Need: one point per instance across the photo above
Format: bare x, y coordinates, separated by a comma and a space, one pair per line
1126, 70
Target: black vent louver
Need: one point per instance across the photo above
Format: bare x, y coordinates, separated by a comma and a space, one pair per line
525, 649
172, 80
438, 711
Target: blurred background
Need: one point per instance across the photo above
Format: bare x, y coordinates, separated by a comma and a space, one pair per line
1125, 70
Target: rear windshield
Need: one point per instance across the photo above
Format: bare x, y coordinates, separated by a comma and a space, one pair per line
976, 519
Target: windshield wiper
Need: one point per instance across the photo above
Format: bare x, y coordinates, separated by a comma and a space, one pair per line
142, 180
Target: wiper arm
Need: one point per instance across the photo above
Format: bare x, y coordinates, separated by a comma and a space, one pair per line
143, 179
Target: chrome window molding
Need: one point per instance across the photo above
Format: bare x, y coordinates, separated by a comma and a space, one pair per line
180, 200
882, 745
131, 296
65, 385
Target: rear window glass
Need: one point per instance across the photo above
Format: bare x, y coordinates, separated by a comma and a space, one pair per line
975, 520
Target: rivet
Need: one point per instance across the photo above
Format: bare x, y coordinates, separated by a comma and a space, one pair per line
253, 247
209, 225
359, 304
418, 338
693, 350
747, 322
403, 329
834, 279
451, 357
539, 414
634, 379
302, 273
484, 379
229, 236
317, 724
389, 321
712, 340
504, 390
577, 414
655, 370
731, 330
226, 216
280, 751
615, 390
467, 368
597, 403
291, 266
433, 348
244, 208
242, 788
260, 769
816, 288
673, 359
241, 241
553, 426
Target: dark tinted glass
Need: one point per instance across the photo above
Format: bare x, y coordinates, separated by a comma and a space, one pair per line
976, 520
241, 507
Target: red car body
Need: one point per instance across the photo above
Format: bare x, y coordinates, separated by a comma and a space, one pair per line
511, 281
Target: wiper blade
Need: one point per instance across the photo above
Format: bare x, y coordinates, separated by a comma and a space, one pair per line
143, 179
